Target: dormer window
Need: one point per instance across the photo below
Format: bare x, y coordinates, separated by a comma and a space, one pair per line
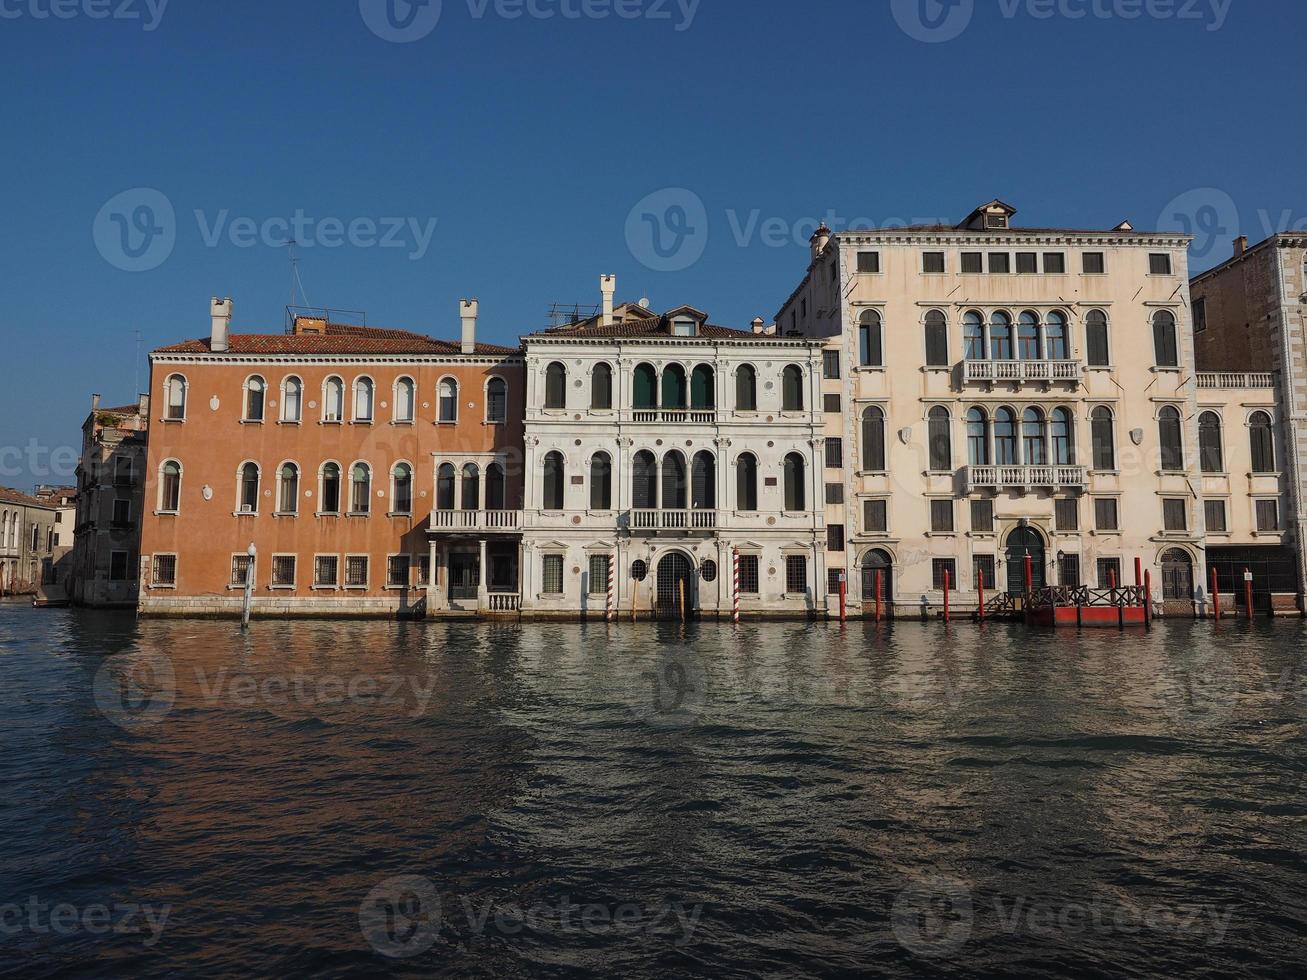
683, 326
998, 221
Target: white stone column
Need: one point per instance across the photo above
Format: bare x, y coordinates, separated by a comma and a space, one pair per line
483, 578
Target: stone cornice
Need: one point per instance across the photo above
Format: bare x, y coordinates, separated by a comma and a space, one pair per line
467, 360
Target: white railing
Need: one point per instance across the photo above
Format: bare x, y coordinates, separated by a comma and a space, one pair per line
504, 601
648, 520
699, 416
1021, 370
476, 520
1024, 477
1226, 379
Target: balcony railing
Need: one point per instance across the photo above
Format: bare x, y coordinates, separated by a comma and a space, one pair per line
1021, 370
1025, 477
673, 520
697, 416
476, 520
504, 601
1225, 379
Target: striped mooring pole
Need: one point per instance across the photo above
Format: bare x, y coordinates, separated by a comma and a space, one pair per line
612, 588
735, 587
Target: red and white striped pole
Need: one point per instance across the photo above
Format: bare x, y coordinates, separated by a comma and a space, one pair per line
735, 587
612, 591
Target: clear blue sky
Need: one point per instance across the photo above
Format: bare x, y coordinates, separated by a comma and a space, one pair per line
530, 141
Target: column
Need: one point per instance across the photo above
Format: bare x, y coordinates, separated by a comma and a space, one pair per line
483, 576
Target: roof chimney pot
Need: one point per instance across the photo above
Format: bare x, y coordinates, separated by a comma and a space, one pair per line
608, 289
1240, 245
468, 310
220, 311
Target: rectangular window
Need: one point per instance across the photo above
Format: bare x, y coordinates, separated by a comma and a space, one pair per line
1268, 515
397, 567
122, 511
985, 565
982, 516
1214, 513
122, 472
1000, 263
1054, 264
551, 575
941, 566
834, 493
1109, 572
1068, 570
796, 574
1175, 514
599, 574
1105, 514
1027, 263
424, 570
326, 571
833, 580
831, 403
830, 365
1067, 513
1094, 263
973, 263
835, 453
941, 516
869, 262
356, 571
749, 574
240, 568
118, 566
932, 262
283, 570
1200, 315
875, 516
834, 537
165, 570
1159, 264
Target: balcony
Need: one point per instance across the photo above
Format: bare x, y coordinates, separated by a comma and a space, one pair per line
673, 520
476, 521
1019, 371
1225, 379
676, 416
1025, 477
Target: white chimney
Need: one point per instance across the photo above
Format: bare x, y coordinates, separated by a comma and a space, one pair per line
220, 309
468, 309
608, 286
757, 324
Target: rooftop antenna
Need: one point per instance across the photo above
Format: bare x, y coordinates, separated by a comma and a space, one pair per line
136, 378
296, 284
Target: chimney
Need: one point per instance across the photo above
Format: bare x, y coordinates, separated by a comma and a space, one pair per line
468, 309
95, 403
1240, 245
757, 324
220, 309
820, 239
608, 287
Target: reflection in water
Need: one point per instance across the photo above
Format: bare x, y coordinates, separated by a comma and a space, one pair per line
777, 798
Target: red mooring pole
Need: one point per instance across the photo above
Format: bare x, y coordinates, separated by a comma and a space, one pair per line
980, 587
946, 584
879, 578
844, 594
1216, 596
1248, 591
1139, 576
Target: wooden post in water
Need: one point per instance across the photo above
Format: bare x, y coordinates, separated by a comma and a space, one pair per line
880, 573
980, 588
946, 585
1248, 591
1139, 578
247, 603
844, 596
681, 582
1216, 596
1030, 587
1148, 598
635, 598
735, 586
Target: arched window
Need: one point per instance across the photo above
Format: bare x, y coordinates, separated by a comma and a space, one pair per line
1103, 438
644, 388
673, 386
702, 395
333, 400
360, 497
552, 485
496, 400
556, 386
1000, 336
703, 481
329, 498
973, 336
1096, 339
873, 439
1057, 340
746, 389
471, 487
644, 481
1164, 341
1168, 433
401, 489
1063, 437
288, 489
292, 399
746, 482
940, 438
1262, 438
249, 489
447, 400
674, 482
1005, 437
496, 490
1034, 448
795, 491
601, 387
405, 397
977, 437
175, 393
936, 339
792, 389
170, 487
363, 392
445, 480
1028, 336
870, 348
1210, 451
601, 482
255, 390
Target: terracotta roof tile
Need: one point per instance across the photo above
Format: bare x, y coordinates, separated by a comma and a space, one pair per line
9, 495
339, 339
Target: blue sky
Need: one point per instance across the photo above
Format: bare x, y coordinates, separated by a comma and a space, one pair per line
515, 158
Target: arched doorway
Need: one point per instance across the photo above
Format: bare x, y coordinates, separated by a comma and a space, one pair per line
877, 565
1177, 575
675, 578
1022, 542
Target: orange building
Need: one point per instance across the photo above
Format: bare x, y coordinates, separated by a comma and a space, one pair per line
318, 460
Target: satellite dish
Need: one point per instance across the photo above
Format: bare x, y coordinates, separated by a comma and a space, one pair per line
644, 301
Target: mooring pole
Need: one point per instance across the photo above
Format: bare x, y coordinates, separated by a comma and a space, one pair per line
611, 609
735, 586
1216, 595
980, 588
1030, 587
1248, 591
248, 603
844, 595
946, 585
1148, 598
1139, 577
683, 615
879, 579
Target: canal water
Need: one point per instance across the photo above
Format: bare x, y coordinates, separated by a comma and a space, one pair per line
341, 799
